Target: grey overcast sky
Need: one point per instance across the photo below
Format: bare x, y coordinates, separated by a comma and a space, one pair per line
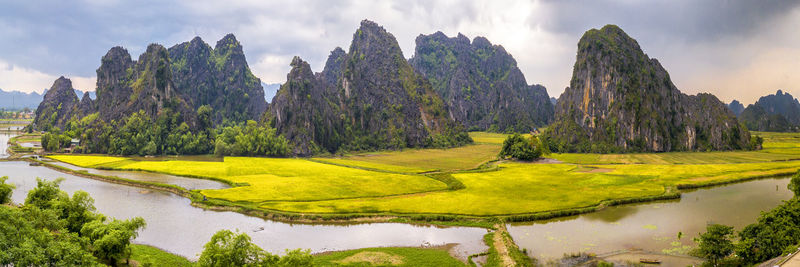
733, 49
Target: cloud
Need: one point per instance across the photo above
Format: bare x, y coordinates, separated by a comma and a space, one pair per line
14, 78
729, 48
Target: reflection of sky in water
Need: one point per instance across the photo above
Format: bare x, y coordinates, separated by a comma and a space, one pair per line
4, 136
176, 226
652, 226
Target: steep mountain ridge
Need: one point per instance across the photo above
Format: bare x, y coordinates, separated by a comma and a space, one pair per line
620, 100
58, 105
481, 83
779, 112
368, 98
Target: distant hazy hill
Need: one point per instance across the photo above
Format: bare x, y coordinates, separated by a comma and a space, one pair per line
736, 107
775, 113
619, 99
19, 100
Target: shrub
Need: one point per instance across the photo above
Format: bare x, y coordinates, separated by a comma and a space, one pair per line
518, 147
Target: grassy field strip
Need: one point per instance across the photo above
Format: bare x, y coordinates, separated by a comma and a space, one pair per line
520, 188
379, 183
270, 179
372, 166
422, 160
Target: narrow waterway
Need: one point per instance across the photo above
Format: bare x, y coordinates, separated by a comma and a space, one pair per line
175, 226
651, 226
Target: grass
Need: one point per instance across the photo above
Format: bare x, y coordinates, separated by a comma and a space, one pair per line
422, 160
389, 256
270, 179
86, 161
147, 255
389, 182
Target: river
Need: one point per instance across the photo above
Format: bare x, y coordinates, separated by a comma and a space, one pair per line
176, 226
651, 226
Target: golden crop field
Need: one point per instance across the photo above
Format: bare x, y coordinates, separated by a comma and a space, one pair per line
388, 182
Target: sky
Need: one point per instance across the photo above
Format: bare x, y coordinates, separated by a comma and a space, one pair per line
733, 49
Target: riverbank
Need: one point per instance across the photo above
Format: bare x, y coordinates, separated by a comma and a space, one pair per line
435, 190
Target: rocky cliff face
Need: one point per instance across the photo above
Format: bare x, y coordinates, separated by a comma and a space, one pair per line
125, 86
775, 113
736, 107
619, 99
58, 106
481, 83
218, 77
368, 98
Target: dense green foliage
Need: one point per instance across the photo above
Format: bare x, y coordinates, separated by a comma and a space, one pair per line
227, 248
250, 140
518, 147
167, 134
5, 190
52, 229
776, 232
715, 243
110, 241
794, 184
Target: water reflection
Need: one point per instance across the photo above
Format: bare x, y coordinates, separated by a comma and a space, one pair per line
652, 226
174, 225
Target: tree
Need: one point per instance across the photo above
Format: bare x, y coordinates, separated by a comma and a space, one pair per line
5, 190
794, 184
521, 148
77, 211
715, 243
110, 242
45, 193
227, 248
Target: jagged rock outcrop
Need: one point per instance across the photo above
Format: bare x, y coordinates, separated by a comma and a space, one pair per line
306, 110
368, 98
736, 107
125, 86
481, 83
86, 106
774, 113
620, 100
218, 77
58, 106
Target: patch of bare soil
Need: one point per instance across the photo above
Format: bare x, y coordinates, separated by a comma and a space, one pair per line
373, 258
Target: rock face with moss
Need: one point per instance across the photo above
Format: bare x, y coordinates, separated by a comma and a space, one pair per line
125, 86
218, 77
620, 100
481, 83
59, 105
774, 113
368, 98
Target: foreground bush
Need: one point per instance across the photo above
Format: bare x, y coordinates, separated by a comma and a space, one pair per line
518, 147
227, 248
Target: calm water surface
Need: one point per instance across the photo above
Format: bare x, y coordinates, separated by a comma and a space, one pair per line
652, 226
174, 225
4, 136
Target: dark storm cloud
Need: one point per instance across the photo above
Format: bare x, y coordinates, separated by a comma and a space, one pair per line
689, 20
724, 47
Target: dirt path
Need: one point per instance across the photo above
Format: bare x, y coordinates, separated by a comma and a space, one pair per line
500, 245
